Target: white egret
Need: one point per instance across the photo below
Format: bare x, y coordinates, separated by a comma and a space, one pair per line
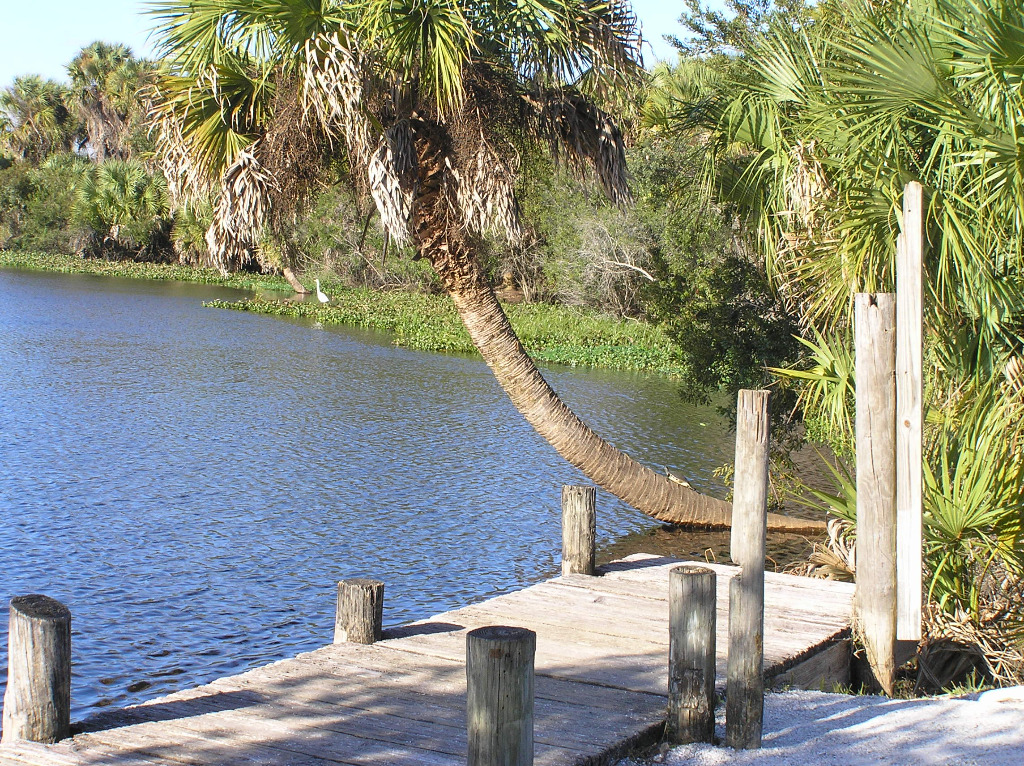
320, 294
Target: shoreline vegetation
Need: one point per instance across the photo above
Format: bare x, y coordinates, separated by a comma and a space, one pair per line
62, 263
748, 226
423, 322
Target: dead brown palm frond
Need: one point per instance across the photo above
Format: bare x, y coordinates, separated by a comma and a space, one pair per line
391, 177
242, 210
955, 642
333, 91
186, 183
990, 641
335, 95
294, 151
1014, 373
486, 162
806, 187
486, 194
836, 558
585, 136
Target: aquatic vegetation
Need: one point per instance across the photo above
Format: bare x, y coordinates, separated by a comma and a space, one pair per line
430, 323
425, 322
75, 264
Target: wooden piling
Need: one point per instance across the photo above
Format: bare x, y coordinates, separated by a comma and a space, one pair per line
909, 415
360, 613
579, 529
744, 705
875, 601
499, 695
744, 686
691, 652
37, 703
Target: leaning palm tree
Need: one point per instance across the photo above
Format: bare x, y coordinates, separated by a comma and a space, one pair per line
429, 103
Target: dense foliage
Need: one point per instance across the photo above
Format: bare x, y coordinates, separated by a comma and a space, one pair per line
812, 131
670, 258
767, 171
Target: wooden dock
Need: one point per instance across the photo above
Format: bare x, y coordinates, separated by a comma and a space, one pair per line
601, 664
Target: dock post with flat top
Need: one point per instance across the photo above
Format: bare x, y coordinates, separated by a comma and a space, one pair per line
499, 695
360, 612
37, 703
875, 601
579, 530
909, 414
691, 651
744, 695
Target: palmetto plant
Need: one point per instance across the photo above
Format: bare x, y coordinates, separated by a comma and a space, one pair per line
121, 207
826, 123
426, 105
975, 492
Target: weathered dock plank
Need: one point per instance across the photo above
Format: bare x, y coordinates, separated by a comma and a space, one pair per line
601, 663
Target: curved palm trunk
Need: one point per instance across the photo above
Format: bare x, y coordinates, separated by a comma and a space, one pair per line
443, 243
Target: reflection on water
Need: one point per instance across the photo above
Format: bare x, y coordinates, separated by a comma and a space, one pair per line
192, 482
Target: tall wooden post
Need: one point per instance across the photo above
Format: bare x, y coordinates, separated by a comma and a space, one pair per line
909, 397
691, 655
499, 695
37, 703
359, 616
875, 601
744, 696
579, 530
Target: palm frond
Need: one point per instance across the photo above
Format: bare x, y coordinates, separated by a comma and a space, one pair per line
430, 40
391, 173
584, 135
241, 211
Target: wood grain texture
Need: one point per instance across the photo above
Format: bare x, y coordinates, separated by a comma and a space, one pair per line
745, 677
744, 695
875, 317
691, 655
750, 484
360, 612
600, 684
579, 530
909, 416
499, 696
37, 702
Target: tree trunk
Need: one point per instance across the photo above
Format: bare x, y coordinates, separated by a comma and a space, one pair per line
439, 238
293, 280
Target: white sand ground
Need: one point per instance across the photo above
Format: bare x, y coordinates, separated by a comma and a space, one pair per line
811, 728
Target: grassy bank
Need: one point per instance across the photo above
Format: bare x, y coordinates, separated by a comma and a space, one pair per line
559, 334
429, 323
73, 264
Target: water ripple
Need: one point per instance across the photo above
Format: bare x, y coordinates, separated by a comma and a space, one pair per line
192, 483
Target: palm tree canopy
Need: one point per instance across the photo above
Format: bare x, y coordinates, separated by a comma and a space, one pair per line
38, 120
428, 103
103, 93
363, 68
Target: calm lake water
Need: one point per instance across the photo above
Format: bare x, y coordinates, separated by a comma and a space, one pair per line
193, 482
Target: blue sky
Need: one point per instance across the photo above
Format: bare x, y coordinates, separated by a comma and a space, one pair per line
42, 36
